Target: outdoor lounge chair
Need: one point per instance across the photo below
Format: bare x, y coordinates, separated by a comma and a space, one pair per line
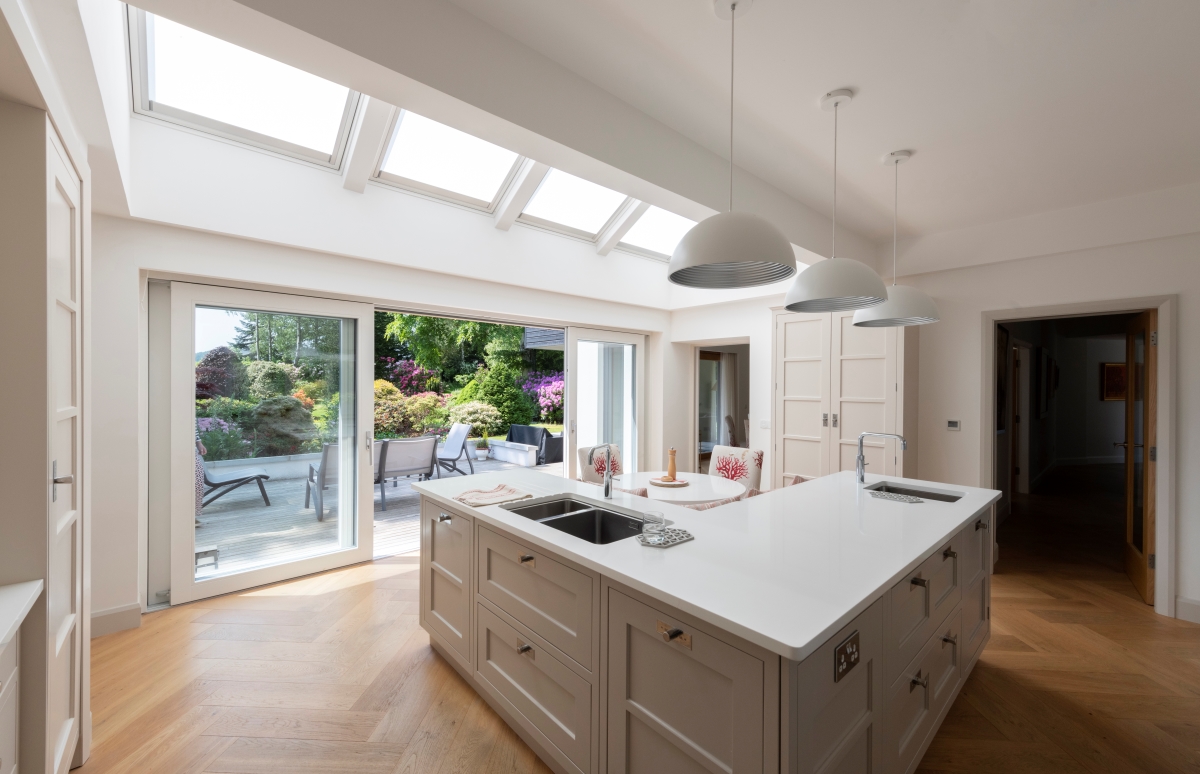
550, 447
319, 478
229, 480
404, 457
453, 450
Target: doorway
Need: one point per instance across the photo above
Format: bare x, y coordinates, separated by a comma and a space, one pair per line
1075, 447
722, 399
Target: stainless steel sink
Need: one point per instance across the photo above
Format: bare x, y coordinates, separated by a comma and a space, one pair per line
580, 517
905, 490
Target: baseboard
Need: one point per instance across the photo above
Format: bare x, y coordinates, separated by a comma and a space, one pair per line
116, 619
1187, 609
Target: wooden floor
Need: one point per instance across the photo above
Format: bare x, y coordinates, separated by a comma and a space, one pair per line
332, 674
1080, 674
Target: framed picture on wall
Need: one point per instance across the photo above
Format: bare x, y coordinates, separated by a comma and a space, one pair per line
1113, 381
1001, 378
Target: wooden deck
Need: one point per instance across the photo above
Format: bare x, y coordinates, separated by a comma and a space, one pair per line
250, 534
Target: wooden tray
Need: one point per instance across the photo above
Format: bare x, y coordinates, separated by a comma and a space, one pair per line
676, 484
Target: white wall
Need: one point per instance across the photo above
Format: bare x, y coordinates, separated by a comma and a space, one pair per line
952, 361
126, 249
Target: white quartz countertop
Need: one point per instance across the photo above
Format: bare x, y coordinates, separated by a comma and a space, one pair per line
15, 601
784, 570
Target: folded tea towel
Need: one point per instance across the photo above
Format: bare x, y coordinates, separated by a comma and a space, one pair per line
503, 493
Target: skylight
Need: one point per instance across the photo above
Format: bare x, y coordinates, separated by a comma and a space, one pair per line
438, 156
658, 231
578, 204
194, 78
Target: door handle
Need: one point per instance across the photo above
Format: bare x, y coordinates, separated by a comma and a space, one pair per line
522, 649
918, 682
1126, 444
56, 479
918, 581
673, 634
949, 553
444, 518
980, 524
528, 560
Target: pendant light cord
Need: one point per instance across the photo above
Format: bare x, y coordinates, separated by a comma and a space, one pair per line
732, 40
834, 251
895, 210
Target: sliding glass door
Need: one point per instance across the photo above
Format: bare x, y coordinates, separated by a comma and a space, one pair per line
605, 371
270, 437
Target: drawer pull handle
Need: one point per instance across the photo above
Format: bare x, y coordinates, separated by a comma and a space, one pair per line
949, 553
674, 634
918, 681
522, 649
980, 524
444, 518
527, 559
950, 638
919, 581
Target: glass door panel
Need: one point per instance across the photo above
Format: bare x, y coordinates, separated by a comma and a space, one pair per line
267, 402
604, 394
1141, 381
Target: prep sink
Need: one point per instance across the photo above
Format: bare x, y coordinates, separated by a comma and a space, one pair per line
891, 487
579, 518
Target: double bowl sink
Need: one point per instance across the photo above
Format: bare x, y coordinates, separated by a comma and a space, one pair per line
580, 517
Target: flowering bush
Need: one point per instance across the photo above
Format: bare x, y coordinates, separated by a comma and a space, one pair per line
409, 377
385, 390
483, 418
426, 411
301, 396
222, 440
204, 424
546, 390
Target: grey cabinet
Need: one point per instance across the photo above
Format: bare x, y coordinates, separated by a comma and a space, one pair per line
916, 699
446, 559
977, 587
680, 699
538, 687
918, 604
9, 706
553, 599
834, 702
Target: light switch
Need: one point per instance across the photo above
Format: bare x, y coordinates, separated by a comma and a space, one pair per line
765, 424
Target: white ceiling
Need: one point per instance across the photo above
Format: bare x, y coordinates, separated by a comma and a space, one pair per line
1013, 108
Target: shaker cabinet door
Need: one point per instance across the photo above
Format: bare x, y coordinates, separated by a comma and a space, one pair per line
446, 569
679, 700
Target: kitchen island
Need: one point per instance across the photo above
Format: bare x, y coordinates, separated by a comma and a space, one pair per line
813, 628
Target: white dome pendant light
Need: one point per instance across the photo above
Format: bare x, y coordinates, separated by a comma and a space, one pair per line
905, 305
837, 284
731, 249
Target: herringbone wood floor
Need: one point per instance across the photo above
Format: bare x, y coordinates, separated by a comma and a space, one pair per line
1080, 675
332, 674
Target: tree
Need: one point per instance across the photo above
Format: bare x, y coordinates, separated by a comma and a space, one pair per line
220, 373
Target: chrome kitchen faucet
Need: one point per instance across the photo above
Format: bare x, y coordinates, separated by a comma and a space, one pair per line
862, 461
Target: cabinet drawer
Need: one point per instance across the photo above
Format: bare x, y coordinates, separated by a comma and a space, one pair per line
975, 617
921, 692
445, 585
919, 603
8, 724
683, 703
976, 539
552, 599
542, 691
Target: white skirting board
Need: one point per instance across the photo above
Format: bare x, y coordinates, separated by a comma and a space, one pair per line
1187, 609
116, 619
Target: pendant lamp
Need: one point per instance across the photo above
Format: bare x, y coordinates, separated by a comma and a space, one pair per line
731, 249
904, 305
836, 284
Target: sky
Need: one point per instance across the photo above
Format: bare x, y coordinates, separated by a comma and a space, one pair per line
215, 328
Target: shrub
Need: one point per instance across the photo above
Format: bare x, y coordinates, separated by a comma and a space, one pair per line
281, 426
409, 377
391, 420
222, 441
546, 390
220, 373
426, 411
498, 387
229, 410
483, 418
326, 415
269, 379
302, 396
385, 390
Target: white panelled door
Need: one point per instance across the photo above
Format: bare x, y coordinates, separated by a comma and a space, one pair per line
801, 397
64, 579
863, 390
605, 394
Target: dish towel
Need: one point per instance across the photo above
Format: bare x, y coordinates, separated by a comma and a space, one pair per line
503, 493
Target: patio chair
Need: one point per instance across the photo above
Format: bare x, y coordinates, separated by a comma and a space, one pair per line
741, 465
229, 480
549, 446
319, 478
404, 457
453, 450
591, 463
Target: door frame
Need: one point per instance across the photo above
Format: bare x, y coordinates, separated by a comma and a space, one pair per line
641, 430
185, 296
1165, 473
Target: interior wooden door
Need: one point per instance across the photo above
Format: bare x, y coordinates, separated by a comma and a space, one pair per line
802, 424
1140, 451
863, 390
64, 579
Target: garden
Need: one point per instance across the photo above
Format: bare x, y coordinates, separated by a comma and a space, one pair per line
274, 389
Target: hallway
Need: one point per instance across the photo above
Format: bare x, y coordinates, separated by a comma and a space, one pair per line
1080, 675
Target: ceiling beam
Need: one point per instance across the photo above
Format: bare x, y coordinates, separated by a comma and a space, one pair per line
368, 138
619, 226
519, 192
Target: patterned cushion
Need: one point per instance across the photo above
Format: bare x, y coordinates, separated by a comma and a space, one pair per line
640, 491
718, 503
593, 472
741, 465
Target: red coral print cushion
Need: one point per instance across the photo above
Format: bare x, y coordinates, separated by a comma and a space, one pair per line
758, 458
731, 468
598, 464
